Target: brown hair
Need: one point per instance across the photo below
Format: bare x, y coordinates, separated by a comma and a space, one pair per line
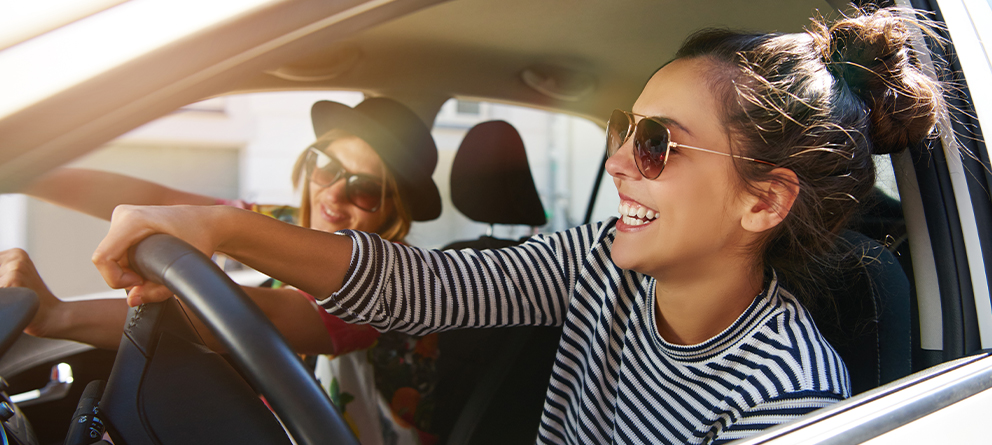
396, 226
819, 103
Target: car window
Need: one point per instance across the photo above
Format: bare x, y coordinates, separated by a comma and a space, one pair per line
244, 146
564, 153
240, 146
885, 176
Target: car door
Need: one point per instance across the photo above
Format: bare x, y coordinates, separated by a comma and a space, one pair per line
944, 191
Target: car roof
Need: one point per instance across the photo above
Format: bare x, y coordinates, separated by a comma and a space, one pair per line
581, 57
598, 53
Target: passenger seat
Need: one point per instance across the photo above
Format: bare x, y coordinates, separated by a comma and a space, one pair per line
492, 382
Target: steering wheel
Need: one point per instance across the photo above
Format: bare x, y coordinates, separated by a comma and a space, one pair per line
255, 346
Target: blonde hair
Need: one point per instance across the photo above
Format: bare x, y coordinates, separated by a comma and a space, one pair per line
398, 222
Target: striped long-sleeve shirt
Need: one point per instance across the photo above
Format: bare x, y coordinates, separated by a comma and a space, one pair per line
615, 380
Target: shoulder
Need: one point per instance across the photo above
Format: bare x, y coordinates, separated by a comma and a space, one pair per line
787, 343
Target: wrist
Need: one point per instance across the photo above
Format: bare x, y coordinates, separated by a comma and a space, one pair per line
223, 224
50, 321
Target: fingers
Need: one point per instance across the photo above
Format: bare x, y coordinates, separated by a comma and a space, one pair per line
11, 262
128, 226
147, 293
131, 224
17, 270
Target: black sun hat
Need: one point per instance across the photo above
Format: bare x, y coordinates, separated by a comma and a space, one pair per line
400, 138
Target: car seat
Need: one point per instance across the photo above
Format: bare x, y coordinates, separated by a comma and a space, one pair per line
491, 183
868, 319
492, 382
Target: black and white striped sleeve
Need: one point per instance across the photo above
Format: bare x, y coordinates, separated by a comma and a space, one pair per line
397, 287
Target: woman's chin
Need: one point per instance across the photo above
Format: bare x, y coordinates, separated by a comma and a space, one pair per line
623, 253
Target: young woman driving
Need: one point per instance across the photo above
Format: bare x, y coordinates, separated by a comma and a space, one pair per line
370, 169
738, 165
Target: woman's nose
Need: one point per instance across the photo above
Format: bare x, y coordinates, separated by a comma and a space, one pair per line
337, 191
621, 164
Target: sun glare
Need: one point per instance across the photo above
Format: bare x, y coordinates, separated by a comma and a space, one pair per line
58, 59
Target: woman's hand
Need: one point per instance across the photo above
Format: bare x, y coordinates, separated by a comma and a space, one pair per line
17, 270
130, 224
313, 261
97, 322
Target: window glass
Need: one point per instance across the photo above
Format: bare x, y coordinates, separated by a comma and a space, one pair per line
885, 176
469, 107
244, 146
240, 146
564, 153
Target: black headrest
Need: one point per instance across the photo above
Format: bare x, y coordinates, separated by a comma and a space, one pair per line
868, 317
490, 177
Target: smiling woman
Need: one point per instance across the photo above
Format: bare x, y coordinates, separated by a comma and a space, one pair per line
677, 329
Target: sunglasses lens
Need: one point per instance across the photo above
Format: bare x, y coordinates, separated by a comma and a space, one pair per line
325, 170
616, 131
365, 193
650, 147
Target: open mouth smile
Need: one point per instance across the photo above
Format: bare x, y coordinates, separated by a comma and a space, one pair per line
634, 214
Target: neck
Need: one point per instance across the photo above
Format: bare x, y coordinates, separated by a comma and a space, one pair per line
691, 310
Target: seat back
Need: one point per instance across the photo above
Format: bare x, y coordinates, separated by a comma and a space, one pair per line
868, 321
492, 382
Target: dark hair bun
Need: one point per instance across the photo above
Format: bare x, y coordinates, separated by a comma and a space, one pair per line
872, 55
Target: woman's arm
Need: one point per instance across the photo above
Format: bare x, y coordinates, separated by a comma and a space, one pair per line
781, 409
313, 261
96, 322
390, 287
418, 291
296, 317
101, 322
96, 192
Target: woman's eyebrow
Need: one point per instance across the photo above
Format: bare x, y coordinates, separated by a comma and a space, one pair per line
672, 122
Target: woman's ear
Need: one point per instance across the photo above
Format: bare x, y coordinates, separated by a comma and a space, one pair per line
772, 201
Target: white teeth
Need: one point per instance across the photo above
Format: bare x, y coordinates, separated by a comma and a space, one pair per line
636, 215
